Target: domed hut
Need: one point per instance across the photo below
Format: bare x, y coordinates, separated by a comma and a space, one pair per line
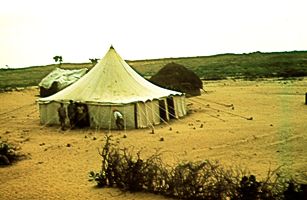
177, 77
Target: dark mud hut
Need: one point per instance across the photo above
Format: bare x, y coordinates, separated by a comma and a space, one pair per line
177, 77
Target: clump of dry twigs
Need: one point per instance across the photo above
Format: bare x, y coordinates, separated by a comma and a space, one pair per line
9, 153
203, 180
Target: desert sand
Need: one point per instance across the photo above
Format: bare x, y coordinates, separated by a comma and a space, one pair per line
254, 125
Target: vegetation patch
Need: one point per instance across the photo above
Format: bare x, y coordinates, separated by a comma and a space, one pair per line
203, 180
248, 66
9, 153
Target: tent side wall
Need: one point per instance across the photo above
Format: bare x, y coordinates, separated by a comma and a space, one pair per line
184, 105
155, 111
180, 106
147, 113
49, 113
101, 116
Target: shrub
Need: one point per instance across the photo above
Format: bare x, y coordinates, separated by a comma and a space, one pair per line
8, 153
188, 180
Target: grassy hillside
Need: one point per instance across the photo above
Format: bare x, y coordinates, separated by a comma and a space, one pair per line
249, 66
253, 65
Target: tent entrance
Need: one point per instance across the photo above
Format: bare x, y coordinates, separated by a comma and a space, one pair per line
82, 116
170, 107
162, 111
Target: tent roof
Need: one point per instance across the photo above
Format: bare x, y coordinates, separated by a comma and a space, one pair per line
110, 81
64, 77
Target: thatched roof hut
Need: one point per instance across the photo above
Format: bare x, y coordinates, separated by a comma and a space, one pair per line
177, 77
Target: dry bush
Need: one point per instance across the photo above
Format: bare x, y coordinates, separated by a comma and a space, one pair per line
9, 153
203, 180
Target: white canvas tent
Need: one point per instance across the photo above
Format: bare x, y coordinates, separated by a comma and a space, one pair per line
59, 79
110, 84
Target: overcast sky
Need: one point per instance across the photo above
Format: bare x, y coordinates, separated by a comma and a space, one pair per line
32, 32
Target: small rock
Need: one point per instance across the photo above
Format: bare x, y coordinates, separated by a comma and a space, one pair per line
170, 128
161, 139
68, 145
94, 138
125, 136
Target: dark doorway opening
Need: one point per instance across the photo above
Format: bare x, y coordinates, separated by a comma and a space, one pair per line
162, 111
82, 116
170, 107
43, 92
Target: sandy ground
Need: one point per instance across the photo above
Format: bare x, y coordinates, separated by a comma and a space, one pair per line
59, 162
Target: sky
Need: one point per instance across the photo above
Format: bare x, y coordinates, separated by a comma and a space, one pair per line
32, 32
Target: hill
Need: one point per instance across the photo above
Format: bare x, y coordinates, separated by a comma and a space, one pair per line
249, 66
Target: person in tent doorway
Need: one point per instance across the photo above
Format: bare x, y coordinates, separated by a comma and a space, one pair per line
118, 119
71, 111
62, 116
